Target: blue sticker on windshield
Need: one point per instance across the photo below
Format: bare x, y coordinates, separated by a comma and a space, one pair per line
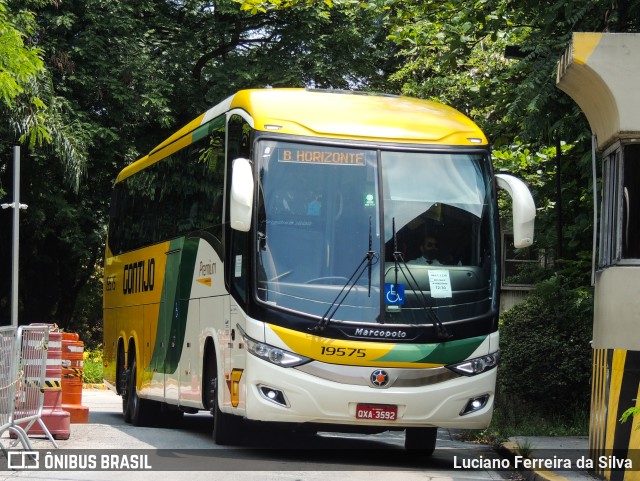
394, 294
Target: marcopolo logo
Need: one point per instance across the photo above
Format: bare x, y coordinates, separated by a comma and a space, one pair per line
381, 333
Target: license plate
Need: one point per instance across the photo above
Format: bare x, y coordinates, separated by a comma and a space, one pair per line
377, 412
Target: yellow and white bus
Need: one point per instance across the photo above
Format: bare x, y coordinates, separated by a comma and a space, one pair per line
271, 261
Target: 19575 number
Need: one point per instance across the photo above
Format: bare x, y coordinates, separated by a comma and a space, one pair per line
343, 351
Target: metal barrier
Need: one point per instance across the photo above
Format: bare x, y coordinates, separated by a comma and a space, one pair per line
22, 375
52, 415
8, 383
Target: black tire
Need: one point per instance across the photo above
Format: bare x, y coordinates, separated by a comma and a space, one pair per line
138, 411
226, 427
120, 371
209, 381
421, 440
126, 412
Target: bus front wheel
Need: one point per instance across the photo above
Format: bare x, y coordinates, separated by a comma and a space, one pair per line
421, 439
226, 427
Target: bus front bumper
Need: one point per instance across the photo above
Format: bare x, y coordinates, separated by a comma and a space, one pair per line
290, 395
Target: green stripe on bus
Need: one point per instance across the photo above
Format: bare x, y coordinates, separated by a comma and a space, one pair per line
440, 353
167, 309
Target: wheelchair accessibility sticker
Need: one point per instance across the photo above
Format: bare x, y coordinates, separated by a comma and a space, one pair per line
394, 294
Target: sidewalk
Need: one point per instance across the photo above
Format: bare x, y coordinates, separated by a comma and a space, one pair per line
550, 457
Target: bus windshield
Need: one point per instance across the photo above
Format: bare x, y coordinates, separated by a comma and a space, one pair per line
401, 231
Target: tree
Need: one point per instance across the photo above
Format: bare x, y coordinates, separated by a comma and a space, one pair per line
100, 82
19, 63
33, 114
121, 76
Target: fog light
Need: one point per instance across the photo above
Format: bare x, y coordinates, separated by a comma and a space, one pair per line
475, 404
274, 395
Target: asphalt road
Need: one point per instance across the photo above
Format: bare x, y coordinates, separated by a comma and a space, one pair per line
107, 448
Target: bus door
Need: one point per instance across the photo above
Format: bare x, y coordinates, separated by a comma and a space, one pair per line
225, 341
166, 337
178, 280
189, 365
174, 308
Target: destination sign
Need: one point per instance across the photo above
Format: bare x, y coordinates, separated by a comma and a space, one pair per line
322, 156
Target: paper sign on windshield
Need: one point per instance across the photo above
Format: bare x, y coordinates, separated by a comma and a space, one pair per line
440, 284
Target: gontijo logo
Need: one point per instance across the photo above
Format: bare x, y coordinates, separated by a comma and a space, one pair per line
139, 276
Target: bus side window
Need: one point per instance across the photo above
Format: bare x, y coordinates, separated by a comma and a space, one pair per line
209, 206
239, 144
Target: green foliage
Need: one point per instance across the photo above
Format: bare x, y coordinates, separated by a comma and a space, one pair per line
87, 315
538, 168
20, 63
117, 78
630, 413
93, 368
33, 113
262, 6
529, 274
516, 417
545, 350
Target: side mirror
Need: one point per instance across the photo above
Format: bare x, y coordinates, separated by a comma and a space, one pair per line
524, 209
241, 202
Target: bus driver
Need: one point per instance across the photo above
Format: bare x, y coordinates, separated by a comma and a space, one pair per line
429, 251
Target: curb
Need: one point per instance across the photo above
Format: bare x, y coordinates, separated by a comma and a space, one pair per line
94, 386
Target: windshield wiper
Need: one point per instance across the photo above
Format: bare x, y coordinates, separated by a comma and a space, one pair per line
441, 331
370, 258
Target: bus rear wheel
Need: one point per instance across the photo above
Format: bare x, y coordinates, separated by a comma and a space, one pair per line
136, 411
422, 440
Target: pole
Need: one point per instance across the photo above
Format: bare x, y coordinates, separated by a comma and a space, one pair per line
16, 206
559, 224
16, 236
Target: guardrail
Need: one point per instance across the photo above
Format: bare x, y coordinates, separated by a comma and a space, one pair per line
23, 362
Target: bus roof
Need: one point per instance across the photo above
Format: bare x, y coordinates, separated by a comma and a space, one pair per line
338, 115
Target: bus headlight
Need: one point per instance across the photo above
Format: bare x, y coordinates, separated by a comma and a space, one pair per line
272, 354
477, 365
